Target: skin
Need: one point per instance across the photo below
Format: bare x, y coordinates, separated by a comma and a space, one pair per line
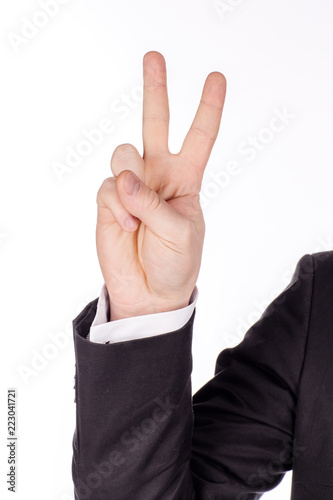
149, 244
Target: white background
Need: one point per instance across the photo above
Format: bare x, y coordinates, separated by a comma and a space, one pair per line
73, 72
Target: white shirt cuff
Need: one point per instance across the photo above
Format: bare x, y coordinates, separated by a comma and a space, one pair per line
103, 331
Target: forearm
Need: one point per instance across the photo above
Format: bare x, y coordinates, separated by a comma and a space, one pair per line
130, 396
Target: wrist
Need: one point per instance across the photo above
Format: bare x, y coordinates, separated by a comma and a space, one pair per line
128, 311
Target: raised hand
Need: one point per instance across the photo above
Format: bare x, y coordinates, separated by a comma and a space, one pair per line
150, 226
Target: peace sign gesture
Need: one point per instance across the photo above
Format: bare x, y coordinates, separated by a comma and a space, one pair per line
150, 227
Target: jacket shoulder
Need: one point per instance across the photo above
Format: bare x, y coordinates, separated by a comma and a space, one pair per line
323, 261
309, 266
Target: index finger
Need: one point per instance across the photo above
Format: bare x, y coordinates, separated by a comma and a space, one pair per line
155, 117
200, 139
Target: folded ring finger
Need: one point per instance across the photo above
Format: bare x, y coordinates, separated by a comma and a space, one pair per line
127, 157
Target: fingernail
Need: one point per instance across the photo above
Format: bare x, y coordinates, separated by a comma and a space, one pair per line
132, 184
130, 223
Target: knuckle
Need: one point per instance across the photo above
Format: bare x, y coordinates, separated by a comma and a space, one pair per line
122, 152
107, 187
122, 155
152, 201
202, 132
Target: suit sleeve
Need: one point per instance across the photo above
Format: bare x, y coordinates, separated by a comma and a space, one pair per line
140, 435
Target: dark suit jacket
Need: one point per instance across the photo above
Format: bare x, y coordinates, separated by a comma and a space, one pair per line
269, 408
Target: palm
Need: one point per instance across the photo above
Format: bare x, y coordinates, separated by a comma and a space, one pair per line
131, 261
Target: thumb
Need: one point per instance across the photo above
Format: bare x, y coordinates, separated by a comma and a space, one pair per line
145, 204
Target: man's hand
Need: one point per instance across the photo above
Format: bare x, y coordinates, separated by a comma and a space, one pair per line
150, 226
